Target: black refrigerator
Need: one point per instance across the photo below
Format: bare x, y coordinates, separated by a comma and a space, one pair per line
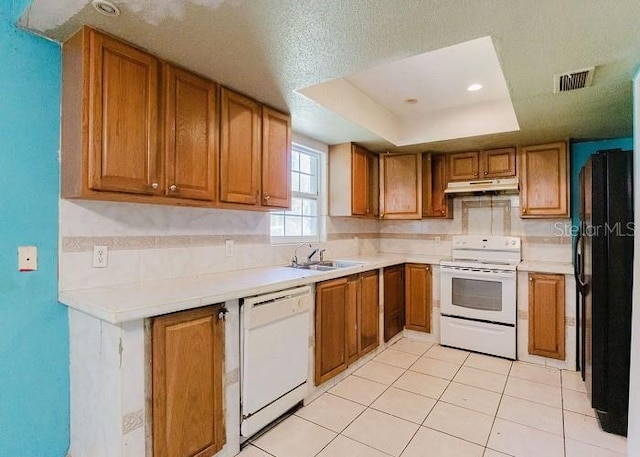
604, 278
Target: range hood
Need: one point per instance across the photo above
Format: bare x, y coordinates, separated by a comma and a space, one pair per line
507, 185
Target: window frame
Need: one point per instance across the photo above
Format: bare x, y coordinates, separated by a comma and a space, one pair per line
319, 199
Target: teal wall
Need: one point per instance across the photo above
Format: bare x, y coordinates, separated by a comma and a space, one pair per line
34, 360
580, 152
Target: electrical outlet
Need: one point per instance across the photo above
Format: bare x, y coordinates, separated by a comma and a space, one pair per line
100, 256
228, 248
438, 240
27, 258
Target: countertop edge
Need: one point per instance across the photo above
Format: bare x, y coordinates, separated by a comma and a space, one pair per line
92, 301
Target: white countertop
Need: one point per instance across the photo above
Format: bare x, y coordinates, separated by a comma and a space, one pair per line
565, 268
127, 302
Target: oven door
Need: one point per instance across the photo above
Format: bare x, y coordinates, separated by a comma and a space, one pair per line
483, 294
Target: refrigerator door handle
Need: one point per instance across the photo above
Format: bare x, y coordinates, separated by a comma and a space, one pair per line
578, 262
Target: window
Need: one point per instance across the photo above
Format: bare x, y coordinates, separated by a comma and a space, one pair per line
301, 222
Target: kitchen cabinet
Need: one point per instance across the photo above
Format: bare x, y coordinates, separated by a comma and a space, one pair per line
239, 149
435, 203
331, 329
191, 139
276, 159
546, 315
110, 114
187, 366
498, 163
354, 181
401, 186
488, 164
464, 166
544, 181
137, 129
394, 307
418, 297
368, 312
346, 321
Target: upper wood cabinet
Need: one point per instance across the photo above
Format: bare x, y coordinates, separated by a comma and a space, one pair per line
276, 159
240, 131
544, 181
401, 186
434, 181
110, 112
464, 166
498, 163
187, 366
418, 297
354, 181
137, 129
191, 139
394, 308
546, 315
489, 164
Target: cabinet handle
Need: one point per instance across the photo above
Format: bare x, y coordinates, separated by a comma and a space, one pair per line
485, 173
267, 197
531, 279
222, 314
524, 210
154, 185
441, 211
173, 187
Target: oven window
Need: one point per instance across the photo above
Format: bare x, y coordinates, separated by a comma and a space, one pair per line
477, 294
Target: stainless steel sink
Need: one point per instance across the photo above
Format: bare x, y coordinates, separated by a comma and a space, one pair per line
326, 265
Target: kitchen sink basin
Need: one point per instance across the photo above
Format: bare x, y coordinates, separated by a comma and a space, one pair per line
327, 265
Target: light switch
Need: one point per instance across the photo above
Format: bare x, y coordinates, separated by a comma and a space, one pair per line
27, 258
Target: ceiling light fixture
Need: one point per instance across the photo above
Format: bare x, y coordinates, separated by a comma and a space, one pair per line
106, 8
474, 87
411, 101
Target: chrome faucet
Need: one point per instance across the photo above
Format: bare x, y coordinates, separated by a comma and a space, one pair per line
322, 255
294, 260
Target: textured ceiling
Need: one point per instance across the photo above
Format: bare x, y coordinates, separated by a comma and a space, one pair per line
269, 48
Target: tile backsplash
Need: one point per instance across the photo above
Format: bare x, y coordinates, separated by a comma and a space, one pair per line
158, 242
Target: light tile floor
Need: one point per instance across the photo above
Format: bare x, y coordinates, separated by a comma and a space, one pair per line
416, 399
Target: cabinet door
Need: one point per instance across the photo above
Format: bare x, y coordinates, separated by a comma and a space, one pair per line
359, 182
544, 181
393, 301
352, 319
373, 194
187, 361
331, 335
368, 312
402, 184
191, 140
123, 120
418, 297
239, 149
499, 163
276, 159
434, 181
546, 315
464, 166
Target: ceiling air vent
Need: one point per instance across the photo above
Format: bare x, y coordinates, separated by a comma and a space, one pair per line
572, 80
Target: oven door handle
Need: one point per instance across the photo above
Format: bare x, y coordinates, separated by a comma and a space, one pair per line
471, 274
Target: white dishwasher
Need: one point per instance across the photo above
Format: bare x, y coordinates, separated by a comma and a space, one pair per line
274, 351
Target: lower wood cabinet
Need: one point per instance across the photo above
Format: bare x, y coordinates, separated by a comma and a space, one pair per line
418, 297
187, 366
393, 301
546, 315
346, 320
